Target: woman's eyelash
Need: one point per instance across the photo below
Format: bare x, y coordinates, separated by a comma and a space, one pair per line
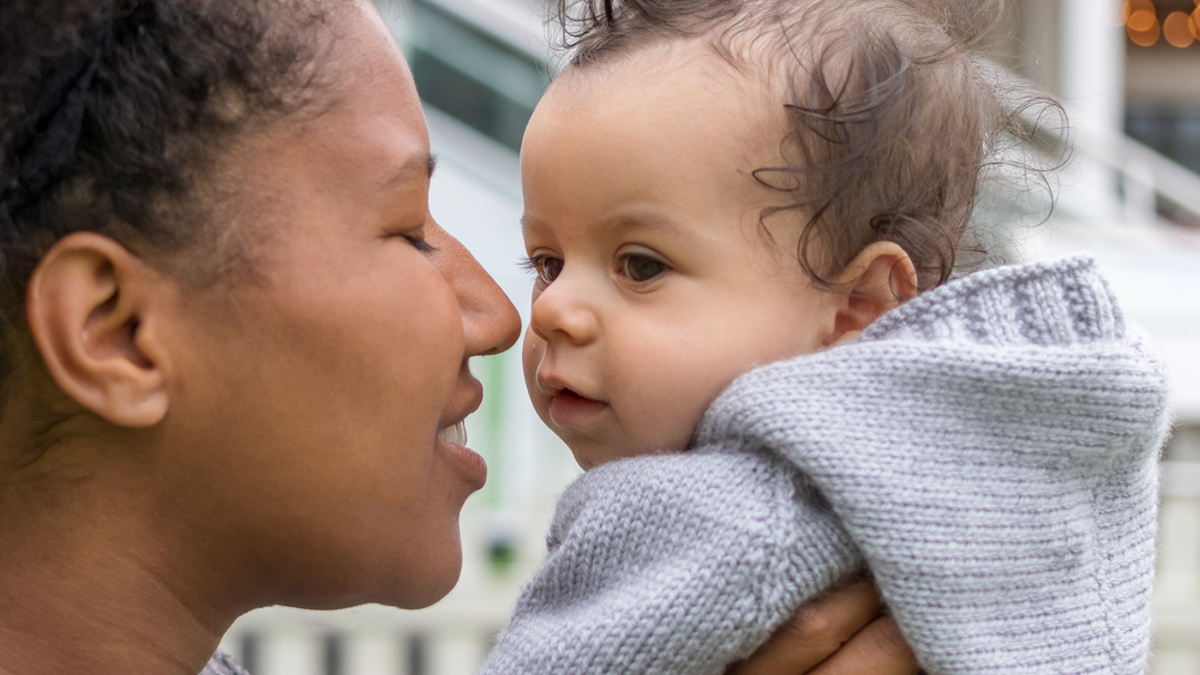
418, 242
422, 245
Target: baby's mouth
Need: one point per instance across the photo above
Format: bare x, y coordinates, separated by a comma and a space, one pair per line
567, 393
571, 409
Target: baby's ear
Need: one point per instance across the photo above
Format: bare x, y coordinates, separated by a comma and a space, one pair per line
879, 278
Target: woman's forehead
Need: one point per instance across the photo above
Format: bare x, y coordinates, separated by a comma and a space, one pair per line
366, 147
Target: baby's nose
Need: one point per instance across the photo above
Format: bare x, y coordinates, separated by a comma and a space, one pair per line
563, 311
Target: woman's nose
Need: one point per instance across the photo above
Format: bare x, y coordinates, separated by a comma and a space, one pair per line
490, 322
561, 312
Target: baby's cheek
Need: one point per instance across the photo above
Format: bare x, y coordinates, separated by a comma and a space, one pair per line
532, 350
695, 390
669, 414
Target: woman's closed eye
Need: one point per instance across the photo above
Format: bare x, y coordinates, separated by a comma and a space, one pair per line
416, 237
419, 243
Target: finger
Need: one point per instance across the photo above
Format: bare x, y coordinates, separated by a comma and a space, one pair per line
878, 649
818, 630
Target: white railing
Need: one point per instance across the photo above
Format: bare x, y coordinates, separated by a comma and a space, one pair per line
1177, 588
1108, 169
368, 640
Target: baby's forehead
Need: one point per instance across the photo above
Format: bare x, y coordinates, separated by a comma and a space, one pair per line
655, 120
741, 72
686, 78
641, 219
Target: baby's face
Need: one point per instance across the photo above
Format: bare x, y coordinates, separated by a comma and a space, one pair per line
656, 285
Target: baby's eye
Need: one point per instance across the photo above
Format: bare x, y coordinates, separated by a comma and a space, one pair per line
641, 267
547, 268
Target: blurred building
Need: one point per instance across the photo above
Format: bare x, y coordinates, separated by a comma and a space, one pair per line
1128, 75
1162, 102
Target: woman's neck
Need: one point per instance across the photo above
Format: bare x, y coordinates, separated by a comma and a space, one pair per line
88, 585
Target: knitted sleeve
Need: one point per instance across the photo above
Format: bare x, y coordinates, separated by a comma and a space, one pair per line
991, 447
672, 564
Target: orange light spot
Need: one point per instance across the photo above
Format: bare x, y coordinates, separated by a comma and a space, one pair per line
1131, 7
1145, 38
1177, 29
1142, 21
1194, 23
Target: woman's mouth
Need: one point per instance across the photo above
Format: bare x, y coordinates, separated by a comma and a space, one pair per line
570, 409
452, 441
455, 433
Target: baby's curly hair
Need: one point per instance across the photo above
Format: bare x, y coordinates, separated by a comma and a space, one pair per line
113, 114
893, 118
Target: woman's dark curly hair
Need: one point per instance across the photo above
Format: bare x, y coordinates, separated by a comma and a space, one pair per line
893, 119
113, 114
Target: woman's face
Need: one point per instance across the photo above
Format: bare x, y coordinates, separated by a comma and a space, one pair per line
308, 430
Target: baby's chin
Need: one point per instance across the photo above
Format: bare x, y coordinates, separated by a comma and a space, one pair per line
590, 454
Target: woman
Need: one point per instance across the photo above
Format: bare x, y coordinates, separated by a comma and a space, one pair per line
235, 340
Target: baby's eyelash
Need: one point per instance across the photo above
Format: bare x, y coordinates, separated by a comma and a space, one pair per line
528, 264
544, 267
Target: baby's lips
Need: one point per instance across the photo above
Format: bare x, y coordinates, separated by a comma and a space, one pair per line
559, 391
550, 384
571, 394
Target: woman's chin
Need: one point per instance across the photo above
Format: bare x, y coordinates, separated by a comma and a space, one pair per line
405, 579
433, 587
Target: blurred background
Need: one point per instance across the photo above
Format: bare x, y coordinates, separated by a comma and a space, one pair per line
1128, 74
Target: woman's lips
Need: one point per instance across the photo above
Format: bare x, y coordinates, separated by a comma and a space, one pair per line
452, 441
569, 409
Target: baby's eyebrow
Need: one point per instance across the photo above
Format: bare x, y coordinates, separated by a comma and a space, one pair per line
646, 221
529, 223
619, 223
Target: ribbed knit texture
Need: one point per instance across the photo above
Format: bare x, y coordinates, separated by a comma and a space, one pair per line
988, 449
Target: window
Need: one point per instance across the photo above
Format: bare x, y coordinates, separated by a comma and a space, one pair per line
470, 75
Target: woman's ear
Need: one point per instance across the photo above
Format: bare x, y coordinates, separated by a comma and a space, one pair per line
92, 310
879, 278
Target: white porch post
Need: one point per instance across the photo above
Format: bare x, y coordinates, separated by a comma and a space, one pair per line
1092, 84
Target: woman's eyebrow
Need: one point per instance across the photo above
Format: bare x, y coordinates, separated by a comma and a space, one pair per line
420, 164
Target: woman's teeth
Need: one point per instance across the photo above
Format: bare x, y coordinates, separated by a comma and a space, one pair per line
456, 434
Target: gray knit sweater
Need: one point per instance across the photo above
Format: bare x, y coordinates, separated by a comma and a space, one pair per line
988, 450
222, 663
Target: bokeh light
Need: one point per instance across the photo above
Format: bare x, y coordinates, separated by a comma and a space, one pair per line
1142, 20
1177, 29
1144, 29
1132, 6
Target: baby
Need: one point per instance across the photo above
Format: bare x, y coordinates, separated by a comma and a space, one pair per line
713, 186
